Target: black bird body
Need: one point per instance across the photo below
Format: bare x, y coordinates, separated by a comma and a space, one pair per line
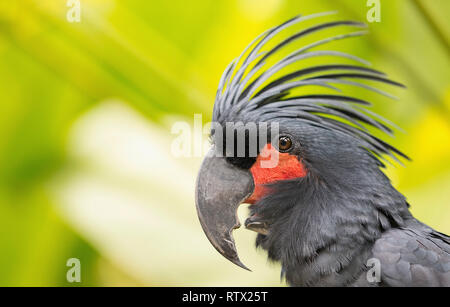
326, 226
327, 223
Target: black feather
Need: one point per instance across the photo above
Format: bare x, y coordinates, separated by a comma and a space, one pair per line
237, 96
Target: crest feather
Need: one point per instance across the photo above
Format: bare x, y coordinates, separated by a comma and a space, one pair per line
239, 93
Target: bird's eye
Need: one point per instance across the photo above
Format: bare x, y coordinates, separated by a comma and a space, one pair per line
284, 143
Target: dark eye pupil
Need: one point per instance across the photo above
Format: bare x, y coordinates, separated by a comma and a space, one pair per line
284, 143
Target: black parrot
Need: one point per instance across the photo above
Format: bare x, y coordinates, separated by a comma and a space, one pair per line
325, 211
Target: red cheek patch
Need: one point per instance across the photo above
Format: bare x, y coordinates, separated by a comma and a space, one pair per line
288, 167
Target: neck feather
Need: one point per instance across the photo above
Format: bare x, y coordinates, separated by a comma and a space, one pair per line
317, 229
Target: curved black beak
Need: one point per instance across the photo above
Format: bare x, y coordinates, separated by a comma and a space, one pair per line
220, 189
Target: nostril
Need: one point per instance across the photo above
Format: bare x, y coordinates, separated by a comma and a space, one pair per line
242, 162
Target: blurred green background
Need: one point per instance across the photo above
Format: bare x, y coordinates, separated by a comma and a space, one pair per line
85, 130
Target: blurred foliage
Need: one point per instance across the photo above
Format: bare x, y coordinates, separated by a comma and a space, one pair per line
86, 168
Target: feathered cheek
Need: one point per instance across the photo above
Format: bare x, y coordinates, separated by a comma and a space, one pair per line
272, 166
